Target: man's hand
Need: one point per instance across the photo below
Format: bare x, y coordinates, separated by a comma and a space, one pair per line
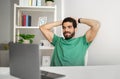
76, 19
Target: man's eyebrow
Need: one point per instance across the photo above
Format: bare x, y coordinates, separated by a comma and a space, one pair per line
69, 26
63, 26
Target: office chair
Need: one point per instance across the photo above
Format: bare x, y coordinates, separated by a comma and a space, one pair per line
86, 58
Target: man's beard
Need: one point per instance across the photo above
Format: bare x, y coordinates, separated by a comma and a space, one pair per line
68, 36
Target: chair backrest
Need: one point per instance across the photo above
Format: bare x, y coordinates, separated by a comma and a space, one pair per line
86, 58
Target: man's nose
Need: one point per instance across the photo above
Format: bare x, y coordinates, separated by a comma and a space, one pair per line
66, 29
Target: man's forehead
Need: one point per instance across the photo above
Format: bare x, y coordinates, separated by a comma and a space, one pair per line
67, 24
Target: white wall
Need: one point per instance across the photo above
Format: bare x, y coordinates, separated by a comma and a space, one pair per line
4, 21
105, 49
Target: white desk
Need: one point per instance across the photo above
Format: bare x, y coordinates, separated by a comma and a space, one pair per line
86, 72
4, 73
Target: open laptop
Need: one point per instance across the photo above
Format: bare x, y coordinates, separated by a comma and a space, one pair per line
25, 62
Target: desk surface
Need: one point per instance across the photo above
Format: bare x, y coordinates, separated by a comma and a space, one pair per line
5, 73
87, 72
84, 72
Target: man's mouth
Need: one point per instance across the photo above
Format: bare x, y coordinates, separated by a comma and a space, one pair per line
67, 33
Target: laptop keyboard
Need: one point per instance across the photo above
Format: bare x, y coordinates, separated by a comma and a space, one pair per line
50, 75
45, 77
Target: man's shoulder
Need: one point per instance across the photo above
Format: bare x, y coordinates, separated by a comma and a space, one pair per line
83, 36
56, 36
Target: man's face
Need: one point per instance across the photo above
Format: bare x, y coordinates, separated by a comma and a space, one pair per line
68, 30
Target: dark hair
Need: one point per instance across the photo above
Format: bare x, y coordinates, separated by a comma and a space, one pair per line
69, 19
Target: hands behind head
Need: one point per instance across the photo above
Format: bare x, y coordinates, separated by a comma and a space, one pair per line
75, 19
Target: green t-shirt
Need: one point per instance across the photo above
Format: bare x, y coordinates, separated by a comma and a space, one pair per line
69, 52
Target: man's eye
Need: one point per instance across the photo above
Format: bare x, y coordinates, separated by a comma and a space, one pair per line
69, 26
63, 27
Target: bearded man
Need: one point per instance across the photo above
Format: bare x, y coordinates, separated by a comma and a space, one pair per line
70, 51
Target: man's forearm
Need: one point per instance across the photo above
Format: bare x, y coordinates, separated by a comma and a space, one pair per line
46, 29
49, 26
91, 33
89, 22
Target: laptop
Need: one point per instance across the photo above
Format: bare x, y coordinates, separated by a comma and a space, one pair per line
25, 62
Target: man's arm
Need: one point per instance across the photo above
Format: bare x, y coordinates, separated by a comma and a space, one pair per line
46, 29
94, 27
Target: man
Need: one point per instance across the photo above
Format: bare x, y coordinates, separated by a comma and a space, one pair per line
70, 51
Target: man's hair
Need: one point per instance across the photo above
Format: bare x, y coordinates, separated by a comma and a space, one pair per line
69, 19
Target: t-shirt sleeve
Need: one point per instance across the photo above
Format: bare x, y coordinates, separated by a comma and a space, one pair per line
85, 41
55, 40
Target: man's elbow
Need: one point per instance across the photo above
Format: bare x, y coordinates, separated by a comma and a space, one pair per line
97, 25
41, 28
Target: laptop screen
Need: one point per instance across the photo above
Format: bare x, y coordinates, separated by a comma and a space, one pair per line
25, 60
